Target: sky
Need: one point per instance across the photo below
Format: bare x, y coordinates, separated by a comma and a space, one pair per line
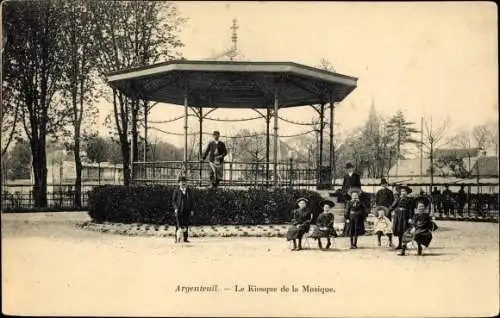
436, 59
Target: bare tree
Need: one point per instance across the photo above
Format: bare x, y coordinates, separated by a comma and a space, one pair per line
462, 139
482, 136
10, 115
79, 90
433, 138
132, 34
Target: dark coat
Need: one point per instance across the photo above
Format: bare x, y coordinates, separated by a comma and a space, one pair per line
356, 214
350, 182
436, 196
461, 197
423, 228
403, 211
447, 197
215, 149
384, 197
300, 224
184, 204
324, 226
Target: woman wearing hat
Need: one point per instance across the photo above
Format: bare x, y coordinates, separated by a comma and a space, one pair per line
300, 224
183, 203
354, 216
402, 213
324, 225
422, 229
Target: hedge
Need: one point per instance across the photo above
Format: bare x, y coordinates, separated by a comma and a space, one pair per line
152, 204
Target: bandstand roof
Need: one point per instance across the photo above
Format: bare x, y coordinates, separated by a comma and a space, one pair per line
233, 84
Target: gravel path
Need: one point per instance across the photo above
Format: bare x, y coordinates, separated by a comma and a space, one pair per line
52, 267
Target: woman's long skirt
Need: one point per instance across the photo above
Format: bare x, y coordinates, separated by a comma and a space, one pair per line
423, 237
400, 222
320, 232
296, 231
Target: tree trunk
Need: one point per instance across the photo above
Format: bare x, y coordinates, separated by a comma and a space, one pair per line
432, 165
268, 121
321, 130
135, 133
40, 173
126, 160
78, 169
121, 121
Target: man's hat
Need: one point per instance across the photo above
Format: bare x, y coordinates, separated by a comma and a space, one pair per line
407, 188
216, 132
329, 202
383, 181
349, 165
182, 178
301, 199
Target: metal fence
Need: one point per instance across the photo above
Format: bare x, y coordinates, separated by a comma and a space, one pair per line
482, 198
290, 173
18, 197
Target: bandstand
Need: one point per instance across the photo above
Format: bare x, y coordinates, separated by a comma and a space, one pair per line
265, 87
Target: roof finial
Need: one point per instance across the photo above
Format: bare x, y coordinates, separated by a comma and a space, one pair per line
234, 39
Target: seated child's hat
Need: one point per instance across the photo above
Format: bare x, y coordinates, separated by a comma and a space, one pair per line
383, 208
329, 202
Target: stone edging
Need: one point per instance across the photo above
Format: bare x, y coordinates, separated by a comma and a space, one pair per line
136, 229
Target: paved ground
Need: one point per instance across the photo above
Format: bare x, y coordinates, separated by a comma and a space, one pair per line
52, 267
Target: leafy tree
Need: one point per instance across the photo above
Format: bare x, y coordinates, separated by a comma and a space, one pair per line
98, 149
401, 131
36, 56
19, 161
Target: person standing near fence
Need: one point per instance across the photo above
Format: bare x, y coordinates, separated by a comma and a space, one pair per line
461, 200
436, 201
351, 181
384, 197
183, 204
447, 200
216, 151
